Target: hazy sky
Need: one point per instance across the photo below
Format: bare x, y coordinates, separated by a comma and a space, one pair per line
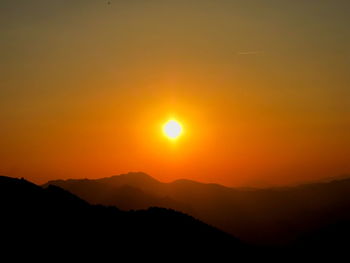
262, 88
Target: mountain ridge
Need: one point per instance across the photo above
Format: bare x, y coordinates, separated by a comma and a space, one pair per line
56, 221
254, 215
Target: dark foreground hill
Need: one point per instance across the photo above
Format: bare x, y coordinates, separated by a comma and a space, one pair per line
37, 220
278, 216
50, 223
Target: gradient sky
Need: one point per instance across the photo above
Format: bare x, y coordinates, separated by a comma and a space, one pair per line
262, 89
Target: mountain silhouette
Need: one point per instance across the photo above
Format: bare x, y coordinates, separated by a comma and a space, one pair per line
54, 220
274, 216
51, 220
130, 191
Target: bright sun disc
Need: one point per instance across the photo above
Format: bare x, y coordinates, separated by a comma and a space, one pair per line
172, 129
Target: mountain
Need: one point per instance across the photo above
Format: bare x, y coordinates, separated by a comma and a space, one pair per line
51, 223
130, 191
52, 220
275, 216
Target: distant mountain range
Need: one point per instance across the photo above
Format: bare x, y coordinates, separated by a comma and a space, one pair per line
312, 221
36, 220
275, 216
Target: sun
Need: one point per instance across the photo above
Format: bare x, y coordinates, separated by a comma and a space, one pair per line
172, 129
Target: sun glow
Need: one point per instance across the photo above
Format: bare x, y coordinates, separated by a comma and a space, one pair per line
172, 129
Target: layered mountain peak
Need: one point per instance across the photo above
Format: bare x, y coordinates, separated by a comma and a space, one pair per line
132, 176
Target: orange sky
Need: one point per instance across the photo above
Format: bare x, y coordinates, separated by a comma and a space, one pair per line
262, 91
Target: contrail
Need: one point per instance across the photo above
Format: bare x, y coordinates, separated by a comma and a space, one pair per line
250, 53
